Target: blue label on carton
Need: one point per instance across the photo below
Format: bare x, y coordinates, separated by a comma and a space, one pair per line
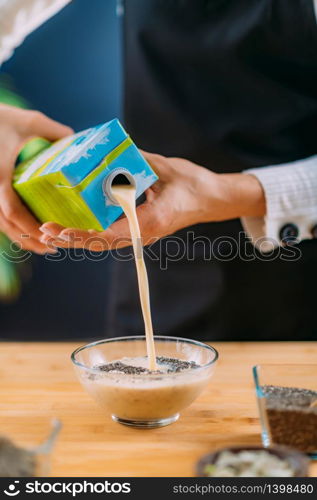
65, 183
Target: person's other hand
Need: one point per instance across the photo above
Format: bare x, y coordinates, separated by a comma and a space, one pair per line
17, 126
185, 194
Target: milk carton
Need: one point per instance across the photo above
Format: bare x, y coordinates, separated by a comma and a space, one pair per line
70, 181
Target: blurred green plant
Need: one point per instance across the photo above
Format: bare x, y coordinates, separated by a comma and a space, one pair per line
7, 93
10, 281
11, 271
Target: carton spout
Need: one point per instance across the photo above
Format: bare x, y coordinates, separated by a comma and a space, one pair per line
117, 176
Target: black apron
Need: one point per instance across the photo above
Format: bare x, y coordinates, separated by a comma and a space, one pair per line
229, 85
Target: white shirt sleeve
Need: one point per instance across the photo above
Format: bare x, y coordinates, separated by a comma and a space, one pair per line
18, 18
291, 203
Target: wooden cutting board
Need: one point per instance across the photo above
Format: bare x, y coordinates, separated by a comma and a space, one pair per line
37, 382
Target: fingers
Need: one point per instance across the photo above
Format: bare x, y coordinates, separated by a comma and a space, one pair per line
68, 237
16, 214
148, 214
38, 124
24, 242
51, 228
117, 236
18, 126
75, 238
167, 168
159, 164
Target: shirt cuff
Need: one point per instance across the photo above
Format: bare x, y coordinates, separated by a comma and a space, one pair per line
20, 17
291, 204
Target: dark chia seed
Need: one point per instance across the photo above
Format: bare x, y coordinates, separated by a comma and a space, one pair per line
174, 366
119, 367
14, 461
291, 419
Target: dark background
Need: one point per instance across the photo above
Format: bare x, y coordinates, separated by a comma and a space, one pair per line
69, 68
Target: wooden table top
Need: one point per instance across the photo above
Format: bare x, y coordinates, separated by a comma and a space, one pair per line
38, 382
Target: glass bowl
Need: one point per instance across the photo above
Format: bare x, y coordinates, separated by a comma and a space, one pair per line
287, 402
24, 459
144, 400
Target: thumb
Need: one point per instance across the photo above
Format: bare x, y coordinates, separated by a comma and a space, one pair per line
42, 126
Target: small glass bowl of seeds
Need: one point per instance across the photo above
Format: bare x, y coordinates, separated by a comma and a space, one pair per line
287, 402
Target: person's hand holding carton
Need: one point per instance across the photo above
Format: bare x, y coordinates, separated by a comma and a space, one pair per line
17, 126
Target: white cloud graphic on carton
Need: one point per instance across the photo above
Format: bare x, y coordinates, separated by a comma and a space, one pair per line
140, 177
75, 152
